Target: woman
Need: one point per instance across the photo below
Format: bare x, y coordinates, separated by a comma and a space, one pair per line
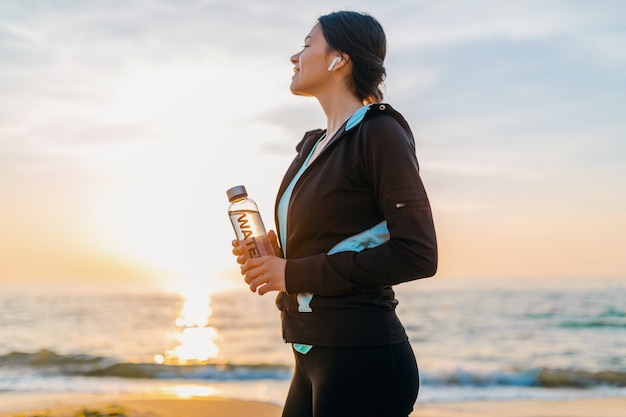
353, 219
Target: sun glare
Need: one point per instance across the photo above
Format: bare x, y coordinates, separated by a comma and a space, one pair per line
196, 311
190, 391
196, 340
154, 203
176, 131
196, 345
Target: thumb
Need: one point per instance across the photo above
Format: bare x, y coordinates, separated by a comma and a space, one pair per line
275, 244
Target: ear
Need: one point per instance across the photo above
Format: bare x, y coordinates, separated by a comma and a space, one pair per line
338, 62
334, 62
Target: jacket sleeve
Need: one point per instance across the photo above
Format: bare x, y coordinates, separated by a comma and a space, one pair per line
411, 252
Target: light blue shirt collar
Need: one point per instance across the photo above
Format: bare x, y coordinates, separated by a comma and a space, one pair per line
356, 117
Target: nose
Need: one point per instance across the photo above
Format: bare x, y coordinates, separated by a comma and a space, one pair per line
294, 58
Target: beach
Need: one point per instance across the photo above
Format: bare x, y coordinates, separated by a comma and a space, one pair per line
484, 349
131, 405
70, 405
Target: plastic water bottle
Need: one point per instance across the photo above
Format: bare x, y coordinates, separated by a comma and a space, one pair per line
246, 220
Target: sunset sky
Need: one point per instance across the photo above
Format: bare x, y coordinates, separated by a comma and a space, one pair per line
122, 124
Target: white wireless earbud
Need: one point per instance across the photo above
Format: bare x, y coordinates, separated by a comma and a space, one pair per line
336, 60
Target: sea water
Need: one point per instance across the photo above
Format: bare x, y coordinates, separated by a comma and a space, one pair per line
474, 340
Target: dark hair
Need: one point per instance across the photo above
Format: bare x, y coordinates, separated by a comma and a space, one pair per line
361, 37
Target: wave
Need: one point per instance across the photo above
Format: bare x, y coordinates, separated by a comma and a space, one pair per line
49, 363
610, 318
591, 324
539, 378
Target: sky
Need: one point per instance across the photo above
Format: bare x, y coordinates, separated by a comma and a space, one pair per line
122, 124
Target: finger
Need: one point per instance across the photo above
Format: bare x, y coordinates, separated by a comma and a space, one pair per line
257, 282
265, 289
237, 249
251, 263
251, 274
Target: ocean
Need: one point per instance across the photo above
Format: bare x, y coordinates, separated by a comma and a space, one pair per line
473, 339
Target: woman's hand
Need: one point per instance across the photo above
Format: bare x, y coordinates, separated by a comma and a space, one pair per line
240, 253
263, 274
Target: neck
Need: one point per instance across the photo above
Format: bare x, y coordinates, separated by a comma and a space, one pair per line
338, 107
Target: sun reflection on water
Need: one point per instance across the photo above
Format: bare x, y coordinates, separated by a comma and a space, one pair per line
195, 338
185, 391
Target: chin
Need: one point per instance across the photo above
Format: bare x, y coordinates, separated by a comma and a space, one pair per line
297, 92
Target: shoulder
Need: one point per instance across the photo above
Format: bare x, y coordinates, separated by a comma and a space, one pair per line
381, 114
383, 123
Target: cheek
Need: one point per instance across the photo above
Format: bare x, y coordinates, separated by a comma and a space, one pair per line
312, 59
314, 66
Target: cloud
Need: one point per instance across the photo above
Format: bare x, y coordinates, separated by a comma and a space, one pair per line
141, 111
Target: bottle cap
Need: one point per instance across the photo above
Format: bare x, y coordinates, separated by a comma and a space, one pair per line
236, 192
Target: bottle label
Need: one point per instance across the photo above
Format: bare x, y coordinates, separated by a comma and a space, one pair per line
251, 232
244, 226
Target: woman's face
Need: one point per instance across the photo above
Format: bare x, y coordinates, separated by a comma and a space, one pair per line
311, 64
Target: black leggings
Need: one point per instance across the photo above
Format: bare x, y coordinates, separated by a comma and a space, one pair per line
376, 381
